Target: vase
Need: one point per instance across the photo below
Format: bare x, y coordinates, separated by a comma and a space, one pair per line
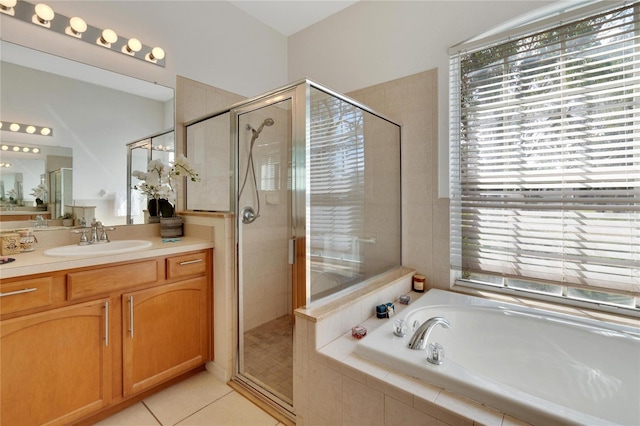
171, 226
160, 207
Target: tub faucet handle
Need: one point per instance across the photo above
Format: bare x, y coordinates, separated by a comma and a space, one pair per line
435, 353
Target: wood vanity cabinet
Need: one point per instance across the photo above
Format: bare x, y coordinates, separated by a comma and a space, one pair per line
86, 340
55, 365
165, 333
28, 216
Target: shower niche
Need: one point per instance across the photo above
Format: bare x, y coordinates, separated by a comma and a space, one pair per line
313, 179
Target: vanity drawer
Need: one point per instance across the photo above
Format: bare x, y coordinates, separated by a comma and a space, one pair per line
111, 279
26, 294
187, 265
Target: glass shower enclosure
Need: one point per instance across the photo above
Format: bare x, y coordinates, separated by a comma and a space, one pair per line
314, 181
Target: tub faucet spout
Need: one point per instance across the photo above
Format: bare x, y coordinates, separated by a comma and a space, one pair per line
419, 339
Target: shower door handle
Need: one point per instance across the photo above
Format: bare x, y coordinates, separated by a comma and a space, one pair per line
292, 251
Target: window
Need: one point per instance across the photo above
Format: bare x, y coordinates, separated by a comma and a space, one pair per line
337, 182
545, 161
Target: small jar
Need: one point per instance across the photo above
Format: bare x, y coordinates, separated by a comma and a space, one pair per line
419, 283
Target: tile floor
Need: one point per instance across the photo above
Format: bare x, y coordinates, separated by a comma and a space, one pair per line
268, 355
201, 400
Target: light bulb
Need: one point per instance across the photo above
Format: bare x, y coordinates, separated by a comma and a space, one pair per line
25, 149
4, 148
44, 14
108, 37
0, 124
45, 131
14, 127
16, 148
35, 150
31, 130
77, 26
6, 6
133, 46
155, 55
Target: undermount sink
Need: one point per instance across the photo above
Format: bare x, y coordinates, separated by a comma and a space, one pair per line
113, 247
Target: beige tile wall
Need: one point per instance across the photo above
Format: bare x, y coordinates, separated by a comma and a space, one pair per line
193, 100
266, 293
412, 102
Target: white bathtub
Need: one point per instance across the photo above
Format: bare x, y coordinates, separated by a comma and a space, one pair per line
539, 366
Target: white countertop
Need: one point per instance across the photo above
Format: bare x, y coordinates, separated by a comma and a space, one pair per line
36, 262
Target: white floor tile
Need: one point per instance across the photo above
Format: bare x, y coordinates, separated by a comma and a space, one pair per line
185, 398
231, 410
136, 415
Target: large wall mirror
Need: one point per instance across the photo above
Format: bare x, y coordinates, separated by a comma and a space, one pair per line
94, 114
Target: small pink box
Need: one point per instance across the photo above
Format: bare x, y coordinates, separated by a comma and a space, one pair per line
358, 332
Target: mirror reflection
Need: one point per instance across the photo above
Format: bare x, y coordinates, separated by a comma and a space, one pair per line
93, 113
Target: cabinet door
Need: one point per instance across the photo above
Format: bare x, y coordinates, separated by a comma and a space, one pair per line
165, 333
55, 365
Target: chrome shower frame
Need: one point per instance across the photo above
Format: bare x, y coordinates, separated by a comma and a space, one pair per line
299, 93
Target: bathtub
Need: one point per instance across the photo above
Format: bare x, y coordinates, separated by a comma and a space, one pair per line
536, 365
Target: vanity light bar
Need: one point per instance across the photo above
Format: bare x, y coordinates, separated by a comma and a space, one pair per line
5, 165
25, 128
76, 27
163, 148
16, 148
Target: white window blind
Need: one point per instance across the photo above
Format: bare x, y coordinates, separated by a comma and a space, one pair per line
545, 155
336, 178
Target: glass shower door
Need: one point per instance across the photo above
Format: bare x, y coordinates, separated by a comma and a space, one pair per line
264, 221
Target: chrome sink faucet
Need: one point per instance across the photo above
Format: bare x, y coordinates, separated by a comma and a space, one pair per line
40, 222
98, 233
96, 226
419, 339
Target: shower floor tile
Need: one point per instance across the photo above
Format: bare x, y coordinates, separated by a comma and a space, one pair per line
268, 355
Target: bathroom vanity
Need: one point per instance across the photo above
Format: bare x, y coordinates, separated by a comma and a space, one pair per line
20, 215
82, 336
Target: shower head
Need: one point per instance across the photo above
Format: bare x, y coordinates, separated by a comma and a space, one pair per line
266, 122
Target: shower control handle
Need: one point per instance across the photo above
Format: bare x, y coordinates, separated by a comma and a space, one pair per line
248, 215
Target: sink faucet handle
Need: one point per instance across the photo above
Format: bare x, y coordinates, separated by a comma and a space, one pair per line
83, 238
103, 234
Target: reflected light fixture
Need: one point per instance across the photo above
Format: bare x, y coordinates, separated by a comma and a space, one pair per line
5, 165
30, 129
43, 16
77, 28
25, 149
7, 7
